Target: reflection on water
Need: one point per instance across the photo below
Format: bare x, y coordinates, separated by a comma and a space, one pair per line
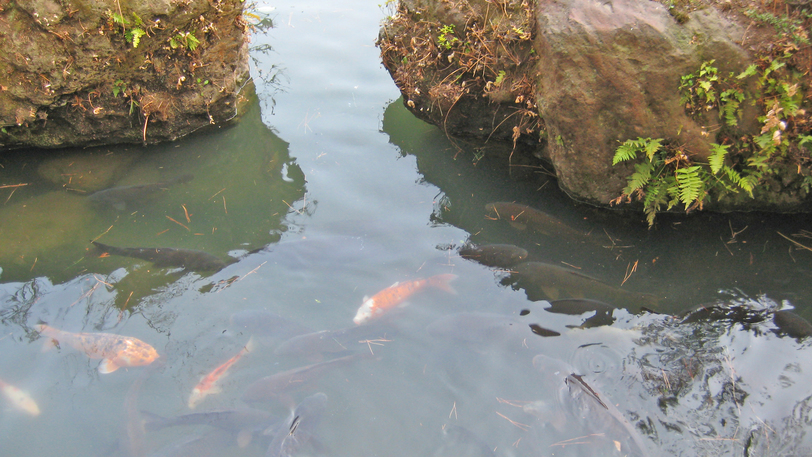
713, 361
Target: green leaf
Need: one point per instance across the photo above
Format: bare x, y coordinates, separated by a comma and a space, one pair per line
750, 71
624, 152
717, 157
192, 42
134, 36
640, 177
651, 147
690, 184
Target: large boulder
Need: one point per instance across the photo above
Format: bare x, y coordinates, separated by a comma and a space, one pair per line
609, 71
569, 81
92, 72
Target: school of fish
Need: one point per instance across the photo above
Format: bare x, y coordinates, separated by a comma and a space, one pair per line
572, 403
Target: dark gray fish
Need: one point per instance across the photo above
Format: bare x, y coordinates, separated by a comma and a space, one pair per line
233, 420
169, 257
283, 383
522, 216
577, 306
267, 325
546, 281
332, 341
493, 255
120, 197
791, 324
461, 442
577, 403
299, 430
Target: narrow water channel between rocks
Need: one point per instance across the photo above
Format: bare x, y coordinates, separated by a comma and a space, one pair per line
604, 338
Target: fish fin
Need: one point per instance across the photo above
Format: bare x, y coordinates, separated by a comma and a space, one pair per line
551, 292
395, 284
152, 421
364, 300
517, 225
49, 344
249, 346
541, 331
107, 366
244, 438
443, 282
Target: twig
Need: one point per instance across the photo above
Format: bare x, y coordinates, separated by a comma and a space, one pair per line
216, 194
795, 242
524, 427
576, 440
173, 220
453, 411
102, 234
725, 245
629, 272
377, 342
252, 271
511, 403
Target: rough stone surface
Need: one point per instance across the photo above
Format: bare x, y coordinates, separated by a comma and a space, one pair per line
71, 76
595, 73
609, 71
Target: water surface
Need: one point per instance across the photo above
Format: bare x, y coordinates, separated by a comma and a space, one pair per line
329, 191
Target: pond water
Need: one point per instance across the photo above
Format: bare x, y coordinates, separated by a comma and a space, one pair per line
328, 191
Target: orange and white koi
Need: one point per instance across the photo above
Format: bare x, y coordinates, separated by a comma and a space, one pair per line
19, 399
397, 293
207, 386
114, 350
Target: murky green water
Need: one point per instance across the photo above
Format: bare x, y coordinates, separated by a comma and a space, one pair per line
329, 191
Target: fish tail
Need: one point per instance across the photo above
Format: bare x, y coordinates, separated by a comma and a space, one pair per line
443, 281
249, 346
104, 248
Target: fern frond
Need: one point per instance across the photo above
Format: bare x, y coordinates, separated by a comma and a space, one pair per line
651, 147
717, 157
690, 184
640, 177
626, 151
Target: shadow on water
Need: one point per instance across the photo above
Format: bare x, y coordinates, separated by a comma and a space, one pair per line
686, 261
685, 382
220, 195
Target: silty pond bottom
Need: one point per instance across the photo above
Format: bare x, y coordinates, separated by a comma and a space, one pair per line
600, 338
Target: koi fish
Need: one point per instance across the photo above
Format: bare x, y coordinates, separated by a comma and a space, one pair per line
114, 350
189, 259
19, 399
280, 384
552, 282
494, 255
397, 293
119, 197
522, 216
207, 386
